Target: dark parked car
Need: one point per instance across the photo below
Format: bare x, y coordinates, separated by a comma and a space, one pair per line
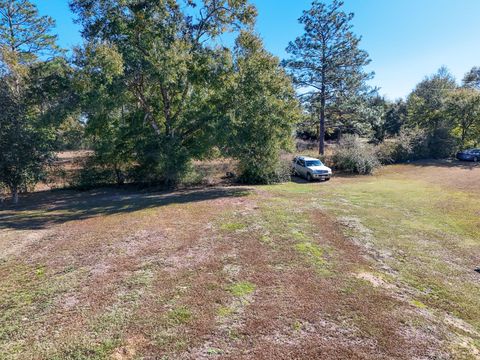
469, 155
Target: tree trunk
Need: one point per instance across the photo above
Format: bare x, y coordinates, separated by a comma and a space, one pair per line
14, 191
321, 134
323, 90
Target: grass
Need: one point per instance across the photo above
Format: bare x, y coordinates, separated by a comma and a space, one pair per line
242, 289
232, 226
434, 228
315, 255
173, 275
179, 315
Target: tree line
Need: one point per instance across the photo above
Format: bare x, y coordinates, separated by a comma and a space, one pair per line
153, 88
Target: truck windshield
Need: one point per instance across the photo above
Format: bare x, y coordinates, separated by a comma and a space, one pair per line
314, 163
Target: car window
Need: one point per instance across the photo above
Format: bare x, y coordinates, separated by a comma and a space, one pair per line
314, 163
301, 162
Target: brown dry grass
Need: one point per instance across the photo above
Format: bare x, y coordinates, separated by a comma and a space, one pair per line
125, 274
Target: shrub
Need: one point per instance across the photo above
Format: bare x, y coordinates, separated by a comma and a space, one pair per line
269, 171
96, 173
409, 144
354, 156
94, 176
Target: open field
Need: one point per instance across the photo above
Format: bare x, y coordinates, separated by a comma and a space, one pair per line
377, 267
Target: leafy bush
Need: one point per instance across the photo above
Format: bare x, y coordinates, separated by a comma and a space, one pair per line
354, 156
92, 177
409, 144
95, 173
269, 171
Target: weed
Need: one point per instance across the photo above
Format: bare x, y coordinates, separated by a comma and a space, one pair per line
242, 289
418, 304
297, 326
214, 351
179, 315
225, 311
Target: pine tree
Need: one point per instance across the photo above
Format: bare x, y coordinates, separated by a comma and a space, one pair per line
326, 61
25, 42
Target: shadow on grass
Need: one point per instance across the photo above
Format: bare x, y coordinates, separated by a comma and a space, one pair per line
42, 209
467, 165
301, 180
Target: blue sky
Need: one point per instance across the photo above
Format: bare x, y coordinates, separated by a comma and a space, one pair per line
406, 39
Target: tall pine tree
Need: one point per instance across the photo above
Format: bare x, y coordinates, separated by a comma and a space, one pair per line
26, 46
326, 61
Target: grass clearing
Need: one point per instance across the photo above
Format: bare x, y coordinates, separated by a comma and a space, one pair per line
128, 274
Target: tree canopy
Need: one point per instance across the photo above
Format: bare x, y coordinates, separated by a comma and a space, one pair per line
33, 87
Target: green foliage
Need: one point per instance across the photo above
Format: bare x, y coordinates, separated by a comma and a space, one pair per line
153, 80
70, 135
363, 115
354, 156
463, 108
326, 59
24, 35
395, 117
94, 175
409, 144
31, 91
264, 111
426, 110
471, 79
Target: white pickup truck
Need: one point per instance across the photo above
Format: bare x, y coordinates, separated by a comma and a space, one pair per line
311, 169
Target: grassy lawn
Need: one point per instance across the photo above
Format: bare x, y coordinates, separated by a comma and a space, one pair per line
359, 267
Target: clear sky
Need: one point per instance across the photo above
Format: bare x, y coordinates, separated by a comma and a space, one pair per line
406, 39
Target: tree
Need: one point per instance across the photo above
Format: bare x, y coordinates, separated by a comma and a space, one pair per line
326, 60
27, 95
264, 112
472, 78
463, 107
426, 109
167, 72
395, 117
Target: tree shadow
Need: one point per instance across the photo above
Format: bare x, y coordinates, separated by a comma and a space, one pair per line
299, 180
42, 209
467, 165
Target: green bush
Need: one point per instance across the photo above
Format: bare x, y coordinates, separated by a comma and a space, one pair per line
354, 156
95, 174
409, 144
268, 171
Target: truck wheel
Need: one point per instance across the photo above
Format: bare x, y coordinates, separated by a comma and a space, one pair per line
309, 177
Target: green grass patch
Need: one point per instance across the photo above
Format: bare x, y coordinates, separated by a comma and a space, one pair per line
179, 315
87, 350
418, 304
232, 226
225, 311
314, 254
242, 289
